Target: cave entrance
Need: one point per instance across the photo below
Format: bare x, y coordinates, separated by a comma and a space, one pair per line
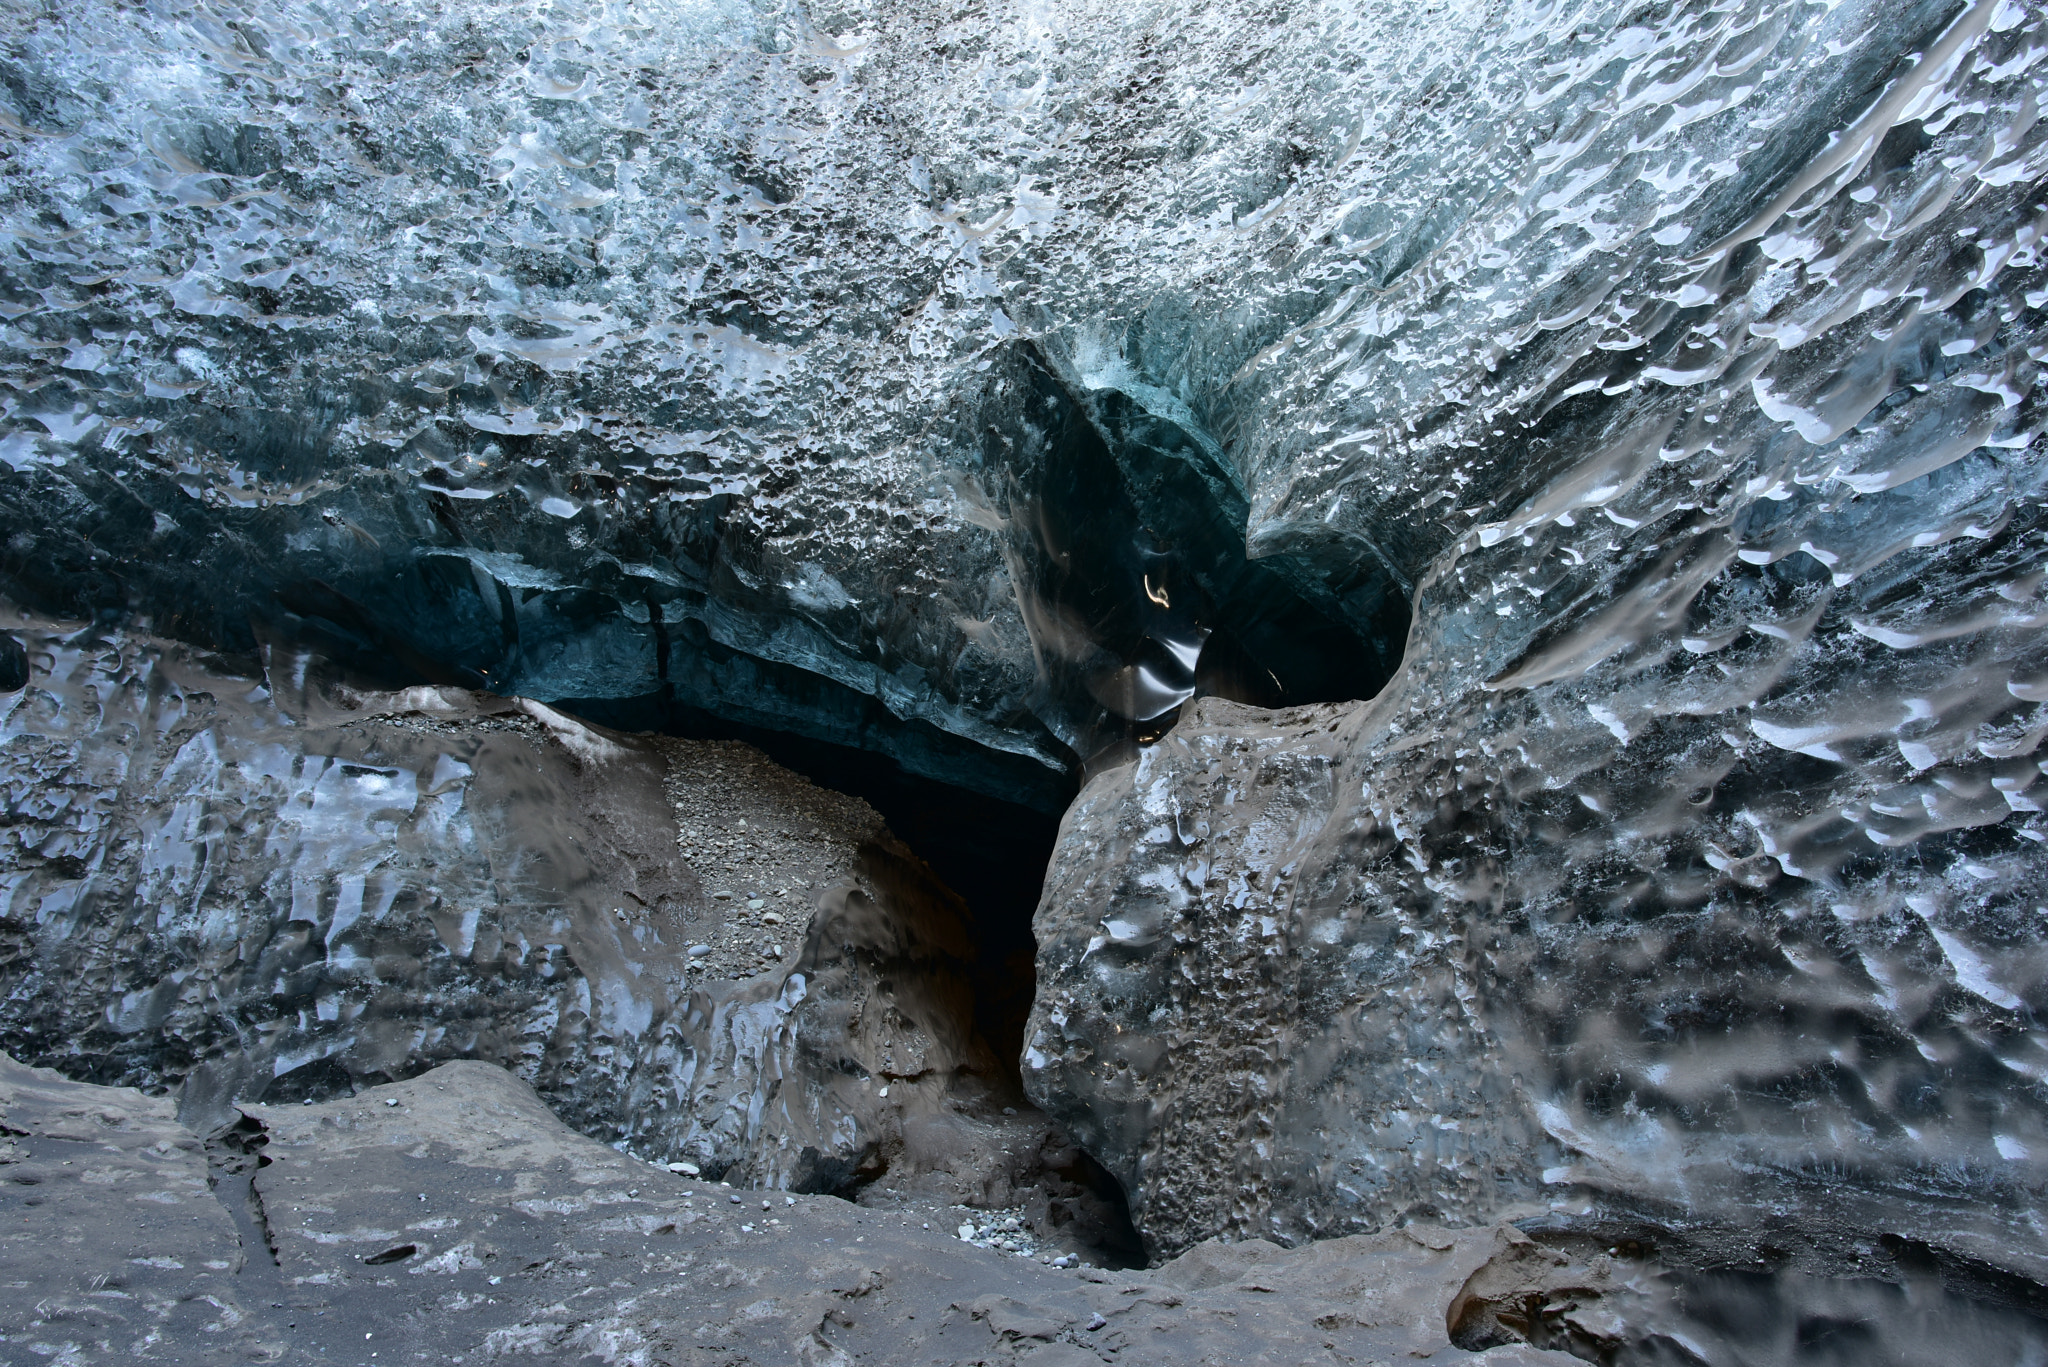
993, 854
1124, 526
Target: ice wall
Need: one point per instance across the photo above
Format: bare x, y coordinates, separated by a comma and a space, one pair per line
283, 888
1688, 875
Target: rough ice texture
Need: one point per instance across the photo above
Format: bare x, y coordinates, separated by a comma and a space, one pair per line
1690, 870
587, 352
1683, 362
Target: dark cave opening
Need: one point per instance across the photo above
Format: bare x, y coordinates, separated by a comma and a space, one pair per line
994, 855
991, 852
1126, 542
1122, 529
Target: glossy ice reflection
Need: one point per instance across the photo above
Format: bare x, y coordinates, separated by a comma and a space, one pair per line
1124, 531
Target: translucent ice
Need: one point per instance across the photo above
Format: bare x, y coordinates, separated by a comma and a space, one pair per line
1690, 863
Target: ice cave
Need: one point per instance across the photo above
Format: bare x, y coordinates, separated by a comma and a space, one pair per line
709, 683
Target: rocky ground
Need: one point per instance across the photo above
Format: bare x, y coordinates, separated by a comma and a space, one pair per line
761, 842
453, 1219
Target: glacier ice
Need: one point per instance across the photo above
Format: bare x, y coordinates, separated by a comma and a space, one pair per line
1688, 872
1608, 434
603, 353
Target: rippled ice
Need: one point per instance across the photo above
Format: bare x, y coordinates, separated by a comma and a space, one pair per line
583, 350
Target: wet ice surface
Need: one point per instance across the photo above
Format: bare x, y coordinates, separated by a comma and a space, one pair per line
215, 887
598, 353
718, 353
1688, 367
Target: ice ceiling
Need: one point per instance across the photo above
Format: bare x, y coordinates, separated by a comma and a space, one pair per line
723, 354
714, 354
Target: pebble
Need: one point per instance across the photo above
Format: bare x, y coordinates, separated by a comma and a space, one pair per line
1003, 1234
756, 834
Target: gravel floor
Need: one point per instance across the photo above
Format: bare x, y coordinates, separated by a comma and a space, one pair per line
764, 842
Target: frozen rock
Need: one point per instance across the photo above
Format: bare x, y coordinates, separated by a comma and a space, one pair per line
1312, 972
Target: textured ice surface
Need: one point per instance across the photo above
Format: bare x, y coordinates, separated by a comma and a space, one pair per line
725, 355
1680, 364
601, 352
1690, 868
